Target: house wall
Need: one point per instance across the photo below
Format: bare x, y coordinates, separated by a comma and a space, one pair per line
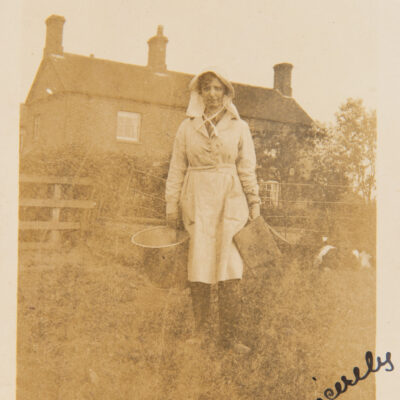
47, 102
51, 112
93, 121
45, 83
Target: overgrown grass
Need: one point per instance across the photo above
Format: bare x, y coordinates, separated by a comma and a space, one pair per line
92, 326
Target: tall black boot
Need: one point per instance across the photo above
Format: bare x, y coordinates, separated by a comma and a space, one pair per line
200, 293
229, 306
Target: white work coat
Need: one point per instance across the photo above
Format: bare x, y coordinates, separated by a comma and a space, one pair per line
212, 180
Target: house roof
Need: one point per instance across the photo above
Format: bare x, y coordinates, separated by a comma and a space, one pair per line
97, 77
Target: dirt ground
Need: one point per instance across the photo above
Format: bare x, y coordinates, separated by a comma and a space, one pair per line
91, 325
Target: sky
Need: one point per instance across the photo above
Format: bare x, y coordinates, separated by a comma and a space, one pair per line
332, 44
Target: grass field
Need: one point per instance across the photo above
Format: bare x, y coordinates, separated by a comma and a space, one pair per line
92, 326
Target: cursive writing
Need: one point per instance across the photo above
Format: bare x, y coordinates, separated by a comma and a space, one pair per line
341, 387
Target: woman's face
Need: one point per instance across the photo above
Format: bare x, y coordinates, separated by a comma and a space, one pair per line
212, 91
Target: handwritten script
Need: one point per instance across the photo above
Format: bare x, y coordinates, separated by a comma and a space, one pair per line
341, 387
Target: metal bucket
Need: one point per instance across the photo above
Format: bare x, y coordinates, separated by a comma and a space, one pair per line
164, 255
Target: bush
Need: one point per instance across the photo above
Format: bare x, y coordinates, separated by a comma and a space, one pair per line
119, 187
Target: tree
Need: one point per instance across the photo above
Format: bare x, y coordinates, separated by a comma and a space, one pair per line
330, 172
345, 152
356, 135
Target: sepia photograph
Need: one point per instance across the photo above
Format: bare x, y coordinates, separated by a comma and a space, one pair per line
197, 201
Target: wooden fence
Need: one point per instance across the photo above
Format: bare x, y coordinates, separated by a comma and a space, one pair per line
55, 204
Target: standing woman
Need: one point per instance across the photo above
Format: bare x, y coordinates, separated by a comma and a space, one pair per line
212, 186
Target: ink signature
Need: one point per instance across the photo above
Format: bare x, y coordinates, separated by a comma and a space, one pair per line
341, 387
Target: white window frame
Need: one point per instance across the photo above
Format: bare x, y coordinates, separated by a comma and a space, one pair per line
272, 189
128, 126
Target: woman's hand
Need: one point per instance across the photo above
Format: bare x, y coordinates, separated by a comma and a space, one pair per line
172, 220
254, 211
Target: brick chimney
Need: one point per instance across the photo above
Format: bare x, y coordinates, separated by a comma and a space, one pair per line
283, 78
157, 51
54, 35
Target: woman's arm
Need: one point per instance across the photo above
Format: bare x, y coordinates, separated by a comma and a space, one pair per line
176, 174
246, 167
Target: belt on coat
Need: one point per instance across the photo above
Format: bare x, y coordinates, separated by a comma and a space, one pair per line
216, 167
222, 167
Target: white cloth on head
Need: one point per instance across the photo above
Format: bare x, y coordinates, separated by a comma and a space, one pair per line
221, 75
196, 104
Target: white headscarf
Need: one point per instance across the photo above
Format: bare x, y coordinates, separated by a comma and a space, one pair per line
196, 105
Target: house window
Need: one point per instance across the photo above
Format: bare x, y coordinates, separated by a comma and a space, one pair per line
128, 126
36, 127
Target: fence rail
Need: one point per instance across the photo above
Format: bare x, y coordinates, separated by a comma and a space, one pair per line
48, 225
60, 180
56, 204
